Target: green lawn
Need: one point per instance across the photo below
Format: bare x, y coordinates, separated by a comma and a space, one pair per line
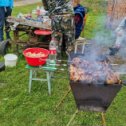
19, 108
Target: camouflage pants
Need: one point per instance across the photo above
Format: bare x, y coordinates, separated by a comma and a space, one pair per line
63, 30
56, 7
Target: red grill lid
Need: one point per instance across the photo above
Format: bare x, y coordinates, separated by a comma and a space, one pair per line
43, 32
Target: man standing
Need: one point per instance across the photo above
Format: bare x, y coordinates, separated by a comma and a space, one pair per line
62, 22
120, 37
5, 11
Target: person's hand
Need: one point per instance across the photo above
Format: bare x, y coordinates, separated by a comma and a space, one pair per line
117, 46
120, 33
113, 51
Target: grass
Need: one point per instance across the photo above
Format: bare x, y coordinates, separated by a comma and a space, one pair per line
19, 108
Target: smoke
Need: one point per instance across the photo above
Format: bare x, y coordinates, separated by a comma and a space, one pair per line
122, 54
106, 38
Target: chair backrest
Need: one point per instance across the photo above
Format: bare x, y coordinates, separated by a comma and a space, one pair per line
80, 45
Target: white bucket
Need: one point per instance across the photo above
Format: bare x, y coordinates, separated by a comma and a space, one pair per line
10, 60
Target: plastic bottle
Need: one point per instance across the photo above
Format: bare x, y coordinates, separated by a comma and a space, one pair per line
53, 53
38, 10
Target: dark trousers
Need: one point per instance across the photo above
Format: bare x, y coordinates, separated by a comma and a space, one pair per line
4, 13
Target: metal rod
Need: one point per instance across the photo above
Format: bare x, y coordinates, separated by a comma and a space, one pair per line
83, 48
114, 64
103, 119
63, 99
72, 118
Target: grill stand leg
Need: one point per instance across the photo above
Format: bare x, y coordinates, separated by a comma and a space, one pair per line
103, 119
72, 118
62, 99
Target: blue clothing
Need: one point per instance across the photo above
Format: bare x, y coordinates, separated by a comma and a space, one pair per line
4, 13
6, 3
79, 12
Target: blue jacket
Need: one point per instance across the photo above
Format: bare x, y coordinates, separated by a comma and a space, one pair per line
6, 3
79, 12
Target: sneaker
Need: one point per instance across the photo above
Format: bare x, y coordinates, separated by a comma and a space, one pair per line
8, 42
1, 43
3, 47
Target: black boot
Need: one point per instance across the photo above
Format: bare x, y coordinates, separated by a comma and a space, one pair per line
3, 47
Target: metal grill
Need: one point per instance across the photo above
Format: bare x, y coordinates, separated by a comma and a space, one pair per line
93, 97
